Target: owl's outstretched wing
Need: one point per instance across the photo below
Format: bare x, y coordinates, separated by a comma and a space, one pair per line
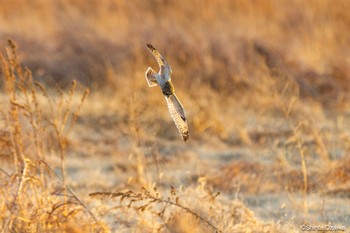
177, 112
165, 69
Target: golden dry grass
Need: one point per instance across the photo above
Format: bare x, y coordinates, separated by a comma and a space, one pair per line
265, 85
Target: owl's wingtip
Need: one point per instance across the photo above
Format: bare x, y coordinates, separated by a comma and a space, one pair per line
150, 47
185, 136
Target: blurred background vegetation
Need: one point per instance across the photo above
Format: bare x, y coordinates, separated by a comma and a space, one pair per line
230, 47
265, 85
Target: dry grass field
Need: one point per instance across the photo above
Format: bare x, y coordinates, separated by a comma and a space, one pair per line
87, 146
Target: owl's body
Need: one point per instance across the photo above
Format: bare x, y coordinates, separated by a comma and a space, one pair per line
163, 79
168, 88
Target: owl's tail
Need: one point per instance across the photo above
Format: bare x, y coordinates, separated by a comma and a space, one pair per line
151, 77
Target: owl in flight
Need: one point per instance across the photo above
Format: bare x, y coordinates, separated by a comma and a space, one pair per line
163, 79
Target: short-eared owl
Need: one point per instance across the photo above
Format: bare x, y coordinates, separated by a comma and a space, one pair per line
163, 79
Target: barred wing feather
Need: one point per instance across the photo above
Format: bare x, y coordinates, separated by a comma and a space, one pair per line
177, 112
165, 69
